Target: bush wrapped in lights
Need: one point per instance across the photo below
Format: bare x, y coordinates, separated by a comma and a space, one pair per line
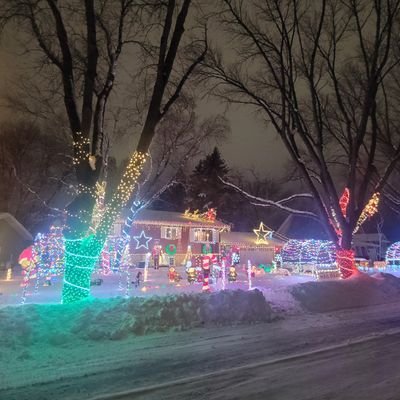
393, 256
317, 257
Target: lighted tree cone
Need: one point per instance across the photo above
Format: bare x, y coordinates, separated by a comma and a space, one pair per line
346, 263
81, 255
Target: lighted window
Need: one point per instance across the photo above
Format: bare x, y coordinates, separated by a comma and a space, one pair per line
202, 235
171, 233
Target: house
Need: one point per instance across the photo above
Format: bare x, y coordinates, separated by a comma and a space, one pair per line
13, 239
372, 246
173, 235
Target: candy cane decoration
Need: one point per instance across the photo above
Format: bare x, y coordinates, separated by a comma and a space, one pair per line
206, 273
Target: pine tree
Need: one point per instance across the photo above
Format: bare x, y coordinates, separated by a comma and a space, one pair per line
205, 189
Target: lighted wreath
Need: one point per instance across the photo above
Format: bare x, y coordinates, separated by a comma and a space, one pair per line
170, 249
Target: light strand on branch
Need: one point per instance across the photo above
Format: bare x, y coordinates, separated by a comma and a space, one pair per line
369, 210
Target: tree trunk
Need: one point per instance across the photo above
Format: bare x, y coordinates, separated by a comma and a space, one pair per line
345, 254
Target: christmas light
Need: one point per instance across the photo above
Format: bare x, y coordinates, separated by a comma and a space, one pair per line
262, 234
318, 255
142, 241
345, 260
206, 273
369, 210
344, 201
249, 275
81, 256
393, 256
223, 266
208, 216
146, 267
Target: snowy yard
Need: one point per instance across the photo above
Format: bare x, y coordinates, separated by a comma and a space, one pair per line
157, 284
174, 342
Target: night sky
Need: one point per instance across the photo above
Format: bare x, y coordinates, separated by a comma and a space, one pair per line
250, 144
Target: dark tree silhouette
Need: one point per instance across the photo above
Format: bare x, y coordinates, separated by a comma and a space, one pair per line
324, 75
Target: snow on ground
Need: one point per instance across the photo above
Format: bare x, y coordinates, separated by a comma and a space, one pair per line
273, 286
360, 290
157, 334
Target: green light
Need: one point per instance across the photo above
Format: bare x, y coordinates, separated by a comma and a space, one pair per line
81, 256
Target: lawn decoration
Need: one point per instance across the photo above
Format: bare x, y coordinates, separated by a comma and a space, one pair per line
393, 256
232, 275
317, 257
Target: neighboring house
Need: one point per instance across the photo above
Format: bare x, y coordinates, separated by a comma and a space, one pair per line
372, 246
169, 230
13, 239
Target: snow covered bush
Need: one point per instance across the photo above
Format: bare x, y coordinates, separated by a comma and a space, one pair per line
117, 318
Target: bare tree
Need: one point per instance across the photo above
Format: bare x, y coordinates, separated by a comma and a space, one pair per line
181, 137
34, 170
324, 75
70, 40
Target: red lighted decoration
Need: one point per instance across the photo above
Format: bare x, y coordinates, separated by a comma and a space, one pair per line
345, 261
206, 273
344, 201
211, 214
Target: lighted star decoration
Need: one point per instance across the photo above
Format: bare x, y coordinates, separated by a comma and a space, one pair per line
142, 241
262, 234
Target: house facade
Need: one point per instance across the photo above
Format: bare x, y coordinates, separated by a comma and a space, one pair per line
173, 236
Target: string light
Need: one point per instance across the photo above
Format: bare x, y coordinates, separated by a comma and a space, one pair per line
206, 273
124, 191
208, 216
344, 201
142, 243
369, 210
345, 260
82, 254
249, 274
81, 149
393, 255
319, 255
262, 234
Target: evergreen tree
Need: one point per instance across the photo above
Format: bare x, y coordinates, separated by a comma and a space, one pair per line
205, 189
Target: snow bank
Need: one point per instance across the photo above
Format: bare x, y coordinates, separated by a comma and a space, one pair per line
117, 318
361, 290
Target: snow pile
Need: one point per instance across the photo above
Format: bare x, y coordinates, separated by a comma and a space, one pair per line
118, 318
361, 290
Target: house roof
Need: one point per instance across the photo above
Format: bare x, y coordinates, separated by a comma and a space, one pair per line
248, 239
17, 226
171, 218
